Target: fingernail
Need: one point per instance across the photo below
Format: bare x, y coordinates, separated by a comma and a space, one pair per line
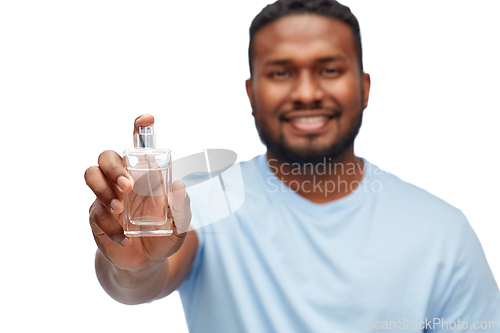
116, 206
122, 182
126, 242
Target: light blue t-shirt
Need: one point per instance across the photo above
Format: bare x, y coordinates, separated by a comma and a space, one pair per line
389, 256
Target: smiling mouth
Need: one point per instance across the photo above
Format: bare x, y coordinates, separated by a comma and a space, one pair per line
309, 121
310, 115
309, 124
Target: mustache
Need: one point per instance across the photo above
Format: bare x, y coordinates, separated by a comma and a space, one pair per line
330, 111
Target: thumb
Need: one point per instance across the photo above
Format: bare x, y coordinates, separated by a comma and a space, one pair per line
181, 207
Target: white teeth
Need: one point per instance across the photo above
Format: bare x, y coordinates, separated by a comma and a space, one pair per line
310, 119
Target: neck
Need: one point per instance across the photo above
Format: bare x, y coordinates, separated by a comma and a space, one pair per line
324, 182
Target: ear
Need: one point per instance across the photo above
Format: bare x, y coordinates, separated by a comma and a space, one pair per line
248, 84
366, 82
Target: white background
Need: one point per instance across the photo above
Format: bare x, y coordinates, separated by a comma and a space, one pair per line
75, 74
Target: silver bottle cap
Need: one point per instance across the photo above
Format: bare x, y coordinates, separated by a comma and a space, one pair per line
145, 138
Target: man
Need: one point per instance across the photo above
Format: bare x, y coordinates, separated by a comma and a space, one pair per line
325, 241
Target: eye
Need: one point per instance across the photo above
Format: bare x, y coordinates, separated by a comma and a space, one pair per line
329, 72
281, 74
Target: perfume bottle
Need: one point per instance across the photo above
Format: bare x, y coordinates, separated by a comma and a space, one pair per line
146, 207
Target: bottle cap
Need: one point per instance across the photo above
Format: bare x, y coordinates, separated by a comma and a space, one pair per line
145, 138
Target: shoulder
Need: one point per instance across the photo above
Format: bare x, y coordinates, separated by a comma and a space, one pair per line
426, 223
416, 213
408, 198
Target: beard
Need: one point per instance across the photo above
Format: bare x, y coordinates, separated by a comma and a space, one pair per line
284, 152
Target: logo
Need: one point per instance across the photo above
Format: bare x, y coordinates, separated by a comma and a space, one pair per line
214, 183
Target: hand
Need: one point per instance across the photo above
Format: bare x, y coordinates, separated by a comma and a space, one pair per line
109, 181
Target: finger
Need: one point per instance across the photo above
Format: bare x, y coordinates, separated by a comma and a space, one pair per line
102, 189
143, 121
104, 224
111, 164
181, 207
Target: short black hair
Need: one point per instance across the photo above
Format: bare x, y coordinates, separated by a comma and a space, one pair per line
328, 8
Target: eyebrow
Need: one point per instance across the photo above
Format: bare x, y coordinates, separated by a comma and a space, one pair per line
277, 62
330, 59
281, 62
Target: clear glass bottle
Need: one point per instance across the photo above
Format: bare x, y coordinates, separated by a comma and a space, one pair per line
147, 210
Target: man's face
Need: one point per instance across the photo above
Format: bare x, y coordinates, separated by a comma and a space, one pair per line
307, 90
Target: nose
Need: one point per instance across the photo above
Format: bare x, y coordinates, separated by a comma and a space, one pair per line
306, 90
